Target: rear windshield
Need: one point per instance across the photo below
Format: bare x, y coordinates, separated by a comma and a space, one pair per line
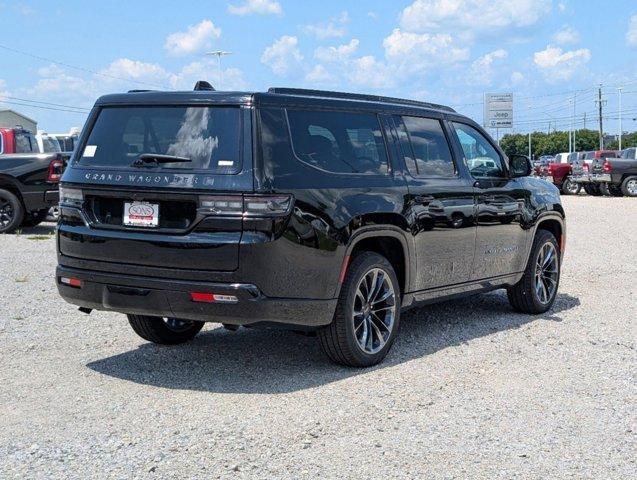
50, 145
208, 136
25, 142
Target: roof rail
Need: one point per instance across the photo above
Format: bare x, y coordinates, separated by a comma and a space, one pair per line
356, 96
141, 91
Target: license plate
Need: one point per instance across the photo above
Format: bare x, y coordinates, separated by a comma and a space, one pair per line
141, 214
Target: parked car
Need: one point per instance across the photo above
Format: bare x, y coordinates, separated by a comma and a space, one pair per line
28, 180
317, 211
583, 168
617, 176
68, 140
559, 173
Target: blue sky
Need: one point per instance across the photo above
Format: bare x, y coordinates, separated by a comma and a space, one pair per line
548, 53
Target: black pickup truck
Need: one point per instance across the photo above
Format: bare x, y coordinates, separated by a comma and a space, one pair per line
618, 176
28, 188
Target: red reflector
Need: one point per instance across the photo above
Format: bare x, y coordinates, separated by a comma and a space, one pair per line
341, 277
71, 282
202, 297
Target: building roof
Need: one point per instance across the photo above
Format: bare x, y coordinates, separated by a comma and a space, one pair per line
3, 109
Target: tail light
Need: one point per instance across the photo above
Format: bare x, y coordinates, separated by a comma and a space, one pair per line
607, 167
56, 168
246, 206
585, 166
549, 169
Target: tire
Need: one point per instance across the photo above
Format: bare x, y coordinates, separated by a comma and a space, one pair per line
569, 187
604, 189
341, 340
164, 331
11, 211
524, 296
592, 189
629, 186
615, 191
35, 218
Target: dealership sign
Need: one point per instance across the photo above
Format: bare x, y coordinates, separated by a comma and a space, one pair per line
498, 110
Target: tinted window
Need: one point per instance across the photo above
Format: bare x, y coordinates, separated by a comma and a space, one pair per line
25, 143
208, 136
50, 145
338, 142
428, 152
482, 158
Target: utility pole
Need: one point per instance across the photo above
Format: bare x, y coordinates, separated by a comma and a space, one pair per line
573, 123
530, 157
570, 132
219, 54
600, 105
620, 117
584, 120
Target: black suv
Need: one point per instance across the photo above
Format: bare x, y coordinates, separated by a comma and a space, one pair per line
317, 211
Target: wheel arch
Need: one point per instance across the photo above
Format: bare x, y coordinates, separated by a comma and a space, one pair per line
388, 241
12, 185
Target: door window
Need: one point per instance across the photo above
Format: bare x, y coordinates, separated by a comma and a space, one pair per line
425, 147
481, 157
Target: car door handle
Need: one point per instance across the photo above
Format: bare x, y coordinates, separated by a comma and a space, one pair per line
424, 199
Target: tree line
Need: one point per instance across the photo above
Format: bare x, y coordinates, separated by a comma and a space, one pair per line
556, 142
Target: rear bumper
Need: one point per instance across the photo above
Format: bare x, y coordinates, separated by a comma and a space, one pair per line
40, 199
583, 178
601, 177
171, 298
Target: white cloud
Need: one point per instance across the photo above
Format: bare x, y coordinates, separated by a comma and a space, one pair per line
336, 54
517, 78
259, 7
283, 55
560, 65
631, 34
567, 35
196, 39
561, 7
135, 70
334, 28
185, 79
472, 15
482, 68
369, 72
417, 51
319, 75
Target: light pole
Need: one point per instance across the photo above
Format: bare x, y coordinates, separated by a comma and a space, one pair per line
570, 132
530, 157
573, 121
219, 54
620, 117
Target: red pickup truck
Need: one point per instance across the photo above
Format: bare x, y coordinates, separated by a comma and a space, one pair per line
559, 172
28, 179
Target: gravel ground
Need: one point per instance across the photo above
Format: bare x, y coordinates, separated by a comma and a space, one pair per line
470, 389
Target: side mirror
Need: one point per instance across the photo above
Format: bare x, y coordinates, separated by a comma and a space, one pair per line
520, 166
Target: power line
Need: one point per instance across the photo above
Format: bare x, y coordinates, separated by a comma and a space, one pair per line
83, 69
44, 103
45, 107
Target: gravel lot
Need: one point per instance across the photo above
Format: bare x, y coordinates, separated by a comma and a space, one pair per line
469, 390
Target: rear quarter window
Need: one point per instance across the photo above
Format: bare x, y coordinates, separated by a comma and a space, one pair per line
338, 142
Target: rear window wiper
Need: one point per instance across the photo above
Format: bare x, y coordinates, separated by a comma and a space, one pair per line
146, 159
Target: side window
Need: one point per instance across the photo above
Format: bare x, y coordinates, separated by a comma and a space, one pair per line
428, 150
482, 158
338, 142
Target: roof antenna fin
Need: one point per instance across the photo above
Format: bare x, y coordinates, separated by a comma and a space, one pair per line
203, 85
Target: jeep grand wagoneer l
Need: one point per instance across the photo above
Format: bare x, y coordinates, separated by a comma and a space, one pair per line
319, 211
